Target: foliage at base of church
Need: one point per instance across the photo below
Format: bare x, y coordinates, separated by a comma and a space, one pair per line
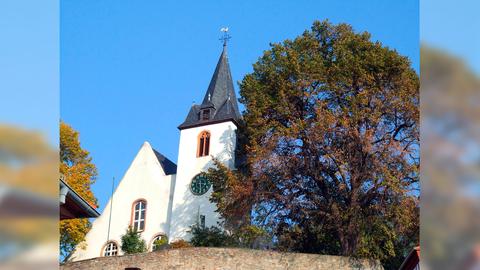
251, 236
80, 173
210, 237
160, 244
247, 236
179, 244
132, 242
329, 147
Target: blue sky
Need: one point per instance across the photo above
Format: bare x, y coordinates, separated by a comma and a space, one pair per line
29, 66
130, 70
453, 27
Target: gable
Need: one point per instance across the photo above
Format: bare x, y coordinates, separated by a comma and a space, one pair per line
148, 157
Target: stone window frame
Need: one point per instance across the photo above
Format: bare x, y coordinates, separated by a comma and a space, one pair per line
132, 216
203, 143
154, 237
104, 247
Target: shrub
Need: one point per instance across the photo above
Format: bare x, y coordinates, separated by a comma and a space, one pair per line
160, 244
132, 243
211, 237
180, 244
251, 236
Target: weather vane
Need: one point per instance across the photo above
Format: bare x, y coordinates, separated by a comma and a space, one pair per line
225, 36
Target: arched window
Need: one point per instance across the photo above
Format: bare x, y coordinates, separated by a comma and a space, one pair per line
110, 249
139, 213
158, 241
203, 144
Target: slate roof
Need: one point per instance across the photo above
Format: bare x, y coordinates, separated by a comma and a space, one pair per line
168, 166
220, 98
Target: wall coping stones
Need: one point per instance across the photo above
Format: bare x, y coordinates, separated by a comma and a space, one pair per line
207, 258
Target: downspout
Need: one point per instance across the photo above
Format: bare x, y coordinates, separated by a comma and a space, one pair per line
63, 192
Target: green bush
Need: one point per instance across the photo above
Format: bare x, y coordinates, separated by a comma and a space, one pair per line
210, 237
160, 243
251, 236
132, 242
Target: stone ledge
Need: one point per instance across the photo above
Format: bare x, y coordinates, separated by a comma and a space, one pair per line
222, 258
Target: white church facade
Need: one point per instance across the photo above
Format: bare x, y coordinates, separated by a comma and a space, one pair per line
163, 199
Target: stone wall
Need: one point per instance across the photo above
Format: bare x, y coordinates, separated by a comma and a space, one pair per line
221, 258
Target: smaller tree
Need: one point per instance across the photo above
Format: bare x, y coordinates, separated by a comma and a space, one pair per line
80, 173
132, 243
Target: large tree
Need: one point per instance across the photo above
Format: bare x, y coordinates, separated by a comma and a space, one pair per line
330, 147
80, 173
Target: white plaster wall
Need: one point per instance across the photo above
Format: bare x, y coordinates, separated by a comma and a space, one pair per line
186, 206
144, 179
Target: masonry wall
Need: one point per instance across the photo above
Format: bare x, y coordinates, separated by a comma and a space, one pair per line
221, 258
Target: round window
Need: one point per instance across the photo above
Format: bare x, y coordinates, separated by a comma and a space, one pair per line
200, 184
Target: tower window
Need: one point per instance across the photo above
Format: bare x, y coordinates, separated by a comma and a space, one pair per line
111, 249
206, 114
203, 144
139, 213
202, 221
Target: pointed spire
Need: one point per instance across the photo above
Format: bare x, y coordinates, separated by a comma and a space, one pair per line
221, 84
220, 96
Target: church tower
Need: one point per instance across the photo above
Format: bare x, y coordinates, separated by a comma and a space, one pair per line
209, 130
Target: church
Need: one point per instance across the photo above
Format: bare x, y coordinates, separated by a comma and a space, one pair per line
161, 199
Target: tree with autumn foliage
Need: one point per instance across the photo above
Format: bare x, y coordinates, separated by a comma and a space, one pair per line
329, 148
80, 173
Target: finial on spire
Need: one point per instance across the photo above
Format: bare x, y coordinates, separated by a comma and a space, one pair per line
225, 36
